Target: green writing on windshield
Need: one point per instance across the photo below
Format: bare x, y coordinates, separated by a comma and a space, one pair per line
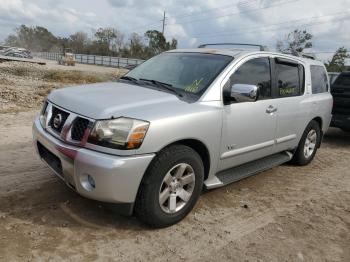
193, 88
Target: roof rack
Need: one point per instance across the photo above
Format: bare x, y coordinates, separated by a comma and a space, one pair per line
261, 47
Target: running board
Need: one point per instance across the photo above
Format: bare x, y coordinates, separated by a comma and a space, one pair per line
243, 171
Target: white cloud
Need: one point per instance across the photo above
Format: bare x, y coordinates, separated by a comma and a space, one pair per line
191, 22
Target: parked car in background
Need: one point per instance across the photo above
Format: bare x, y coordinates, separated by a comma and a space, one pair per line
341, 108
332, 76
180, 121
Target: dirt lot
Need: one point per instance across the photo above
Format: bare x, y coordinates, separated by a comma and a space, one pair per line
24, 86
286, 214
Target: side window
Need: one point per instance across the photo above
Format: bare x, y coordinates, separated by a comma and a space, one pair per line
254, 72
288, 80
318, 79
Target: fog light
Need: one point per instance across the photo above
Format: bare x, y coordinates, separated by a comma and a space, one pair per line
87, 182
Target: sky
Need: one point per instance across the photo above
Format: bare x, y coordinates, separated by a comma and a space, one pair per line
190, 22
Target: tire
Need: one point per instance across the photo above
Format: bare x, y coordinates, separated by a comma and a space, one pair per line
157, 211
304, 153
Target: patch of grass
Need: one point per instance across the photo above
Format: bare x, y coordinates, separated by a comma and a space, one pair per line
70, 77
44, 90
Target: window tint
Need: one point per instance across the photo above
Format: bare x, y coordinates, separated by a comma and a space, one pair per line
318, 79
288, 80
254, 72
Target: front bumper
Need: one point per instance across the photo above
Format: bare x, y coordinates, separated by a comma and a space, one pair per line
341, 121
116, 178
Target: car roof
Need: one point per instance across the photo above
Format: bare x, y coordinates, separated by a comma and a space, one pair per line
244, 53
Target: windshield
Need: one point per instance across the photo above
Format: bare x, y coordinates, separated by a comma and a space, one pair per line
188, 72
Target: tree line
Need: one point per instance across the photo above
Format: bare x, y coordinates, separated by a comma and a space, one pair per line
111, 42
105, 41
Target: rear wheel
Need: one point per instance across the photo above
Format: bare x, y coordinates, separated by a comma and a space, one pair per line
308, 144
171, 187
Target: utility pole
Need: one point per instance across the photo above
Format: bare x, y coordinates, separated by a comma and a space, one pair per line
163, 23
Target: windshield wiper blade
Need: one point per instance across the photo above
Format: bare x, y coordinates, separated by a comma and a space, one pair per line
163, 85
129, 78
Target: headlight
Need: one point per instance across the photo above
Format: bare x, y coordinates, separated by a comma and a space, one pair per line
119, 133
43, 115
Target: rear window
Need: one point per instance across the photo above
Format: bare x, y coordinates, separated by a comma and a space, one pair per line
288, 80
319, 79
343, 80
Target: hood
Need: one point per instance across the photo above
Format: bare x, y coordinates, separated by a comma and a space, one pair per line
113, 99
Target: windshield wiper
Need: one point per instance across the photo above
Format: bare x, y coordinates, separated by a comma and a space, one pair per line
162, 85
129, 78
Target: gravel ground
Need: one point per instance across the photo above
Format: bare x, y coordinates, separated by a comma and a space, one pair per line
288, 213
24, 86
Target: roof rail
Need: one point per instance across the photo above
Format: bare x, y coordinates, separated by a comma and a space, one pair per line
309, 56
301, 54
261, 47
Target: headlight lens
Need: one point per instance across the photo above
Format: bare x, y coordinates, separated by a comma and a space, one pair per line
120, 133
43, 115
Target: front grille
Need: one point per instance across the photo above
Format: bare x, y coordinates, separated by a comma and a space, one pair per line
58, 114
53, 161
79, 126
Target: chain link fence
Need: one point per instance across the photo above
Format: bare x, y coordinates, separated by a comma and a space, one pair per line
109, 61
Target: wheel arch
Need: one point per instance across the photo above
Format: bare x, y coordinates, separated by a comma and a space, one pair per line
200, 148
320, 123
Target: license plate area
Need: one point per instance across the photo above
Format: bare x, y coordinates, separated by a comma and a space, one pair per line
52, 160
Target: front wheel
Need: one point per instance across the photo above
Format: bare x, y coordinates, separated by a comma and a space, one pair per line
308, 144
171, 187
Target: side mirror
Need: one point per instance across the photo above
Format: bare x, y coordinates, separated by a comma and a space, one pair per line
244, 93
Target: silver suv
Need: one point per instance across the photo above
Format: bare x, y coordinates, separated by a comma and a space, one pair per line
181, 121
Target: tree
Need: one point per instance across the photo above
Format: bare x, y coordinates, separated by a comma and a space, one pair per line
157, 42
137, 47
337, 63
78, 41
295, 42
33, 38
109, 39
12, 40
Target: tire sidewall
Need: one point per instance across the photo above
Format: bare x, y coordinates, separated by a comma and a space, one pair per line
313, 125
155, 176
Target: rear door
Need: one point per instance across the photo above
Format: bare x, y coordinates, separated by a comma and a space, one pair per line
289, 89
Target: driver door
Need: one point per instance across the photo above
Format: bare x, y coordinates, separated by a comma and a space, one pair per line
249, 127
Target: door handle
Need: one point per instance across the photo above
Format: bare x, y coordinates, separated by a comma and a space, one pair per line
271, 109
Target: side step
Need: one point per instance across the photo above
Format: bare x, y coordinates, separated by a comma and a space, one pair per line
237, 173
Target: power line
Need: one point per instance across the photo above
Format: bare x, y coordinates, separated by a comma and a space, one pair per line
274, 29
199, 13
236, 13
279, 3
240, 30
